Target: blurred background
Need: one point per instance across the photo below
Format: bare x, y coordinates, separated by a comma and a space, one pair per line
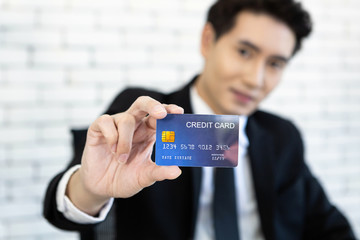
63, 61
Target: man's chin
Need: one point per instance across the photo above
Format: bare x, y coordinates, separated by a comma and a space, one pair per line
238, 108
237, 112
241, 111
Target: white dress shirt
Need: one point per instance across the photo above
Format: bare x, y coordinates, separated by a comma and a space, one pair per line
248, 215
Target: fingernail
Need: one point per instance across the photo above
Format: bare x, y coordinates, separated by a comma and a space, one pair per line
122, 158
175, 108
159, 109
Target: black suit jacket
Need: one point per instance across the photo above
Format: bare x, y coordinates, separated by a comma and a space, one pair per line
291, 202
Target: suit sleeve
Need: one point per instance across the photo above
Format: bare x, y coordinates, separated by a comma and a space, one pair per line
323, 220
50, 211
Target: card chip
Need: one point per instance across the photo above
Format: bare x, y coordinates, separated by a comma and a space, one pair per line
168, 136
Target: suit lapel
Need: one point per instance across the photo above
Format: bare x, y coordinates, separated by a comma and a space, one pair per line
182, 98
261, 160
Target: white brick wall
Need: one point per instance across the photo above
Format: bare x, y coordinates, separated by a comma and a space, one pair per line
62, 61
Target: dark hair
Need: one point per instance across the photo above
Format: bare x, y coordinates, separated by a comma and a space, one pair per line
223, 12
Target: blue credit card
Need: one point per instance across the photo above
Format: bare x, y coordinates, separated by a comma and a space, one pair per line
195, 140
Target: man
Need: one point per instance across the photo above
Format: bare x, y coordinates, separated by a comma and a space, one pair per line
246, 46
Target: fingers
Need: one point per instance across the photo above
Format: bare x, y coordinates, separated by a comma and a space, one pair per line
127, 123
105, 126
146, 105
170, 108
125, 127
174, 109
118, 130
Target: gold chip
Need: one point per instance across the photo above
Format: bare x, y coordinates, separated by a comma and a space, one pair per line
168, 136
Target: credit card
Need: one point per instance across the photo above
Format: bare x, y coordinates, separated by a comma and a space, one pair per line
196, 140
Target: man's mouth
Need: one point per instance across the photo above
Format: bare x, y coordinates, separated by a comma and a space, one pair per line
242, 97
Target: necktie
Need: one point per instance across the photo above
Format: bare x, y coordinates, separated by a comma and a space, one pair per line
224, 205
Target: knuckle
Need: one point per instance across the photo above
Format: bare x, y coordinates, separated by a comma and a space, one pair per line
125, 119
103, 119
147, 101
142, 100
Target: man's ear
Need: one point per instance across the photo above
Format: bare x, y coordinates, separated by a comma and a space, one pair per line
207, 39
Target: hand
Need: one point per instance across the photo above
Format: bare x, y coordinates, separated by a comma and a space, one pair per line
117, 156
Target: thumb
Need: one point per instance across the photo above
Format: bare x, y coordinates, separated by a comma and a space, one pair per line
160, 173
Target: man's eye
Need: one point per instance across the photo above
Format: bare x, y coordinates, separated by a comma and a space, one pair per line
276, 64
244, 53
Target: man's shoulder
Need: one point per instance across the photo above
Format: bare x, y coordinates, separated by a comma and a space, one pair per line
137, 91
281, 129
124, 100
284, 139
272, 121
131, 94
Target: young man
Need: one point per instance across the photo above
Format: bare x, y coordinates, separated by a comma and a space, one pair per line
246, 46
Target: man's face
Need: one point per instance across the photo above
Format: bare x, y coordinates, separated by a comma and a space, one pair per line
245, 64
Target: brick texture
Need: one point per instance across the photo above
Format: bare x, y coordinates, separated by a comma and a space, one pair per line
63, 61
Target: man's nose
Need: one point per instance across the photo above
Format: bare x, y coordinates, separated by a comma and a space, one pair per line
255, 75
